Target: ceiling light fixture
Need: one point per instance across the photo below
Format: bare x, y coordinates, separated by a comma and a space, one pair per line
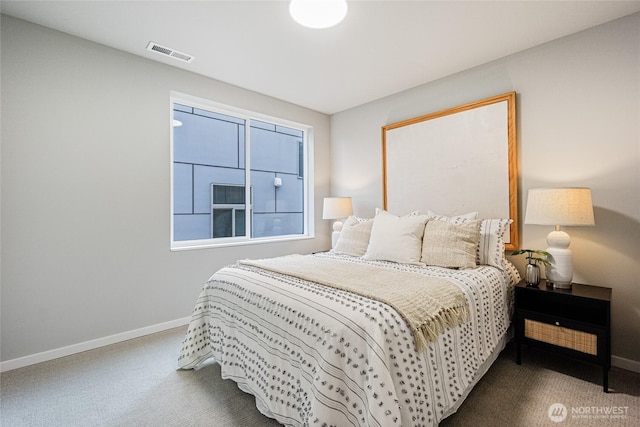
318, 13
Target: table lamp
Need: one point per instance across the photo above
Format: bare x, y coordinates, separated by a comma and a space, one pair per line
336, 208
559, 207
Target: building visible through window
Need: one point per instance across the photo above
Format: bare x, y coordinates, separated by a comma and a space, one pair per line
215, 197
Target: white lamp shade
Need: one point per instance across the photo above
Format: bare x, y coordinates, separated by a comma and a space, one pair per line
559, 206
336, 207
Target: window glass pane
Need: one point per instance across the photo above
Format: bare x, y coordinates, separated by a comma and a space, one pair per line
207, 148
191, 227
300, 160
219, 194
240, 222
276, 176
222, 222
234, 195
228, 194
290, 131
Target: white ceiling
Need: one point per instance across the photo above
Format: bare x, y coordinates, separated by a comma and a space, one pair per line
382, 47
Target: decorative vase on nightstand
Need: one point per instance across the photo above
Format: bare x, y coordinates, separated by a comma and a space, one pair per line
532, 275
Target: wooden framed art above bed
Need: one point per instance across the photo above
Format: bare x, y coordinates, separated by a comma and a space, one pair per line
455, 161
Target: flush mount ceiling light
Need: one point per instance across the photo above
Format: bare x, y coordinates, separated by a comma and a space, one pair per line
318, 13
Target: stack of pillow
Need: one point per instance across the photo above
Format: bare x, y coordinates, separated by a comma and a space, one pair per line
435, 240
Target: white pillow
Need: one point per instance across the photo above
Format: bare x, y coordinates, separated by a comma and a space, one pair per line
450, 245
354, 237
396, 238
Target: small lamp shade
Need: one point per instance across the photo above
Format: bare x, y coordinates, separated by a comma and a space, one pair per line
557, 207
336, 208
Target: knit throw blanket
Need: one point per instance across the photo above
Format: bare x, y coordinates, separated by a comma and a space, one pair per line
427, 304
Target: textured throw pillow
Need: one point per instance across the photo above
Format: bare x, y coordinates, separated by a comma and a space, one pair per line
450, 245
491, 246
455, 219
354, 237
490, 249
396, 238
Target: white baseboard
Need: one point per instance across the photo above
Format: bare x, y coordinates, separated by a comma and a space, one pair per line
628, 364
89, 345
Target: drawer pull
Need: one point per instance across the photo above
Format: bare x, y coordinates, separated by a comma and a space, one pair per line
557, 323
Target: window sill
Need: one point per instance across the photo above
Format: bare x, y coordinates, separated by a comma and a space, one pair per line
189, 245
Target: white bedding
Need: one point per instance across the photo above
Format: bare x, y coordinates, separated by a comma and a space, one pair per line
315, 355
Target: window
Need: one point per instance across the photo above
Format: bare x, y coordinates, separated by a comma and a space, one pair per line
237, 176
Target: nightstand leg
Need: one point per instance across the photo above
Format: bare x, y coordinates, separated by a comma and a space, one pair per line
605, 379
518, 353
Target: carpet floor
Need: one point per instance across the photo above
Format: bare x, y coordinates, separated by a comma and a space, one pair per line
135, 383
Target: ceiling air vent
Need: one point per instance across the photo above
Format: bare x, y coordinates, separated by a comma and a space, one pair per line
167, 51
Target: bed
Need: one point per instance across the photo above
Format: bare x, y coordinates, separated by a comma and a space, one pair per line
397, 323
314, 353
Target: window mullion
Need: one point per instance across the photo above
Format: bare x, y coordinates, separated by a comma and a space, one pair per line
248, 194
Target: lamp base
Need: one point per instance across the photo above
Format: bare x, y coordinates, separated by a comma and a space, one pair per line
561, 285
560, 272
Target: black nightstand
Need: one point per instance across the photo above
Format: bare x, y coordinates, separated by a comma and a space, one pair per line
574, 322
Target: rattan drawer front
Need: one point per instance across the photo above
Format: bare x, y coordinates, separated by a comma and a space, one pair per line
563, 337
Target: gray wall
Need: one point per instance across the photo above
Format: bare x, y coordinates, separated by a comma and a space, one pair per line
85, 191
578, 125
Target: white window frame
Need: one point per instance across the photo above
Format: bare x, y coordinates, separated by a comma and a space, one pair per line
308, 198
